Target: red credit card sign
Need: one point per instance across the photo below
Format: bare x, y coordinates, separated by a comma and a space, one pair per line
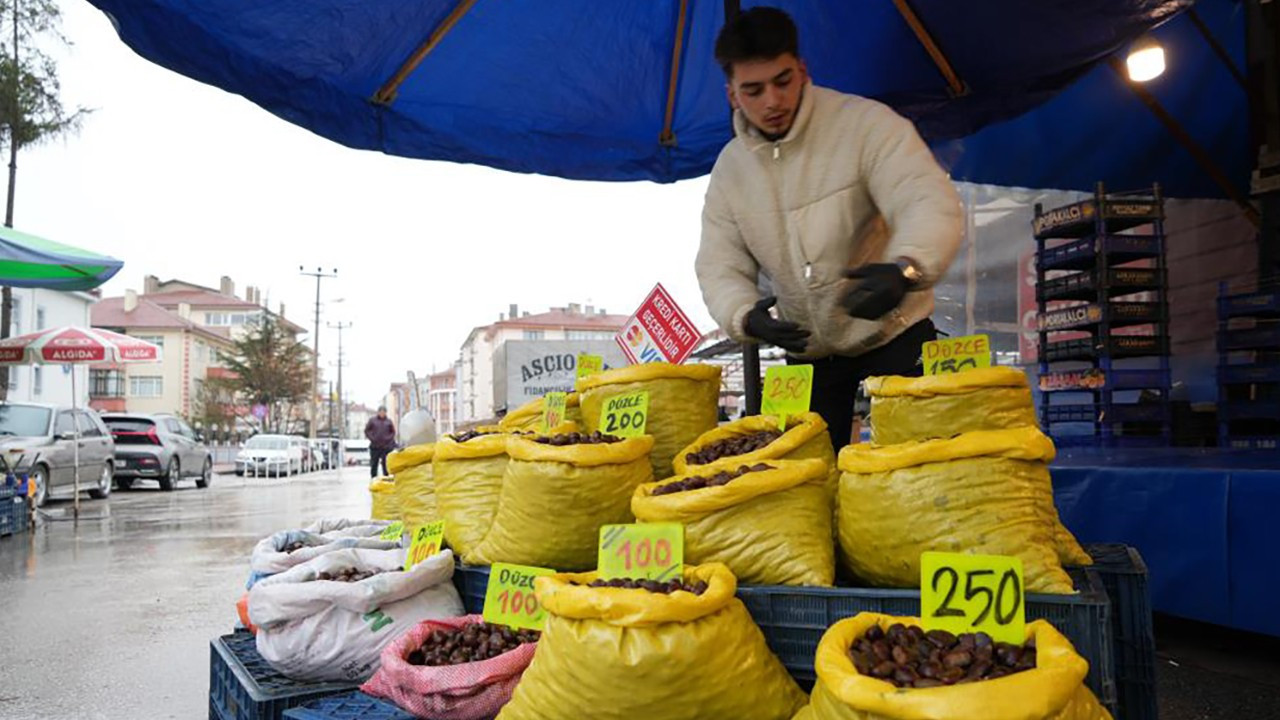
658, 331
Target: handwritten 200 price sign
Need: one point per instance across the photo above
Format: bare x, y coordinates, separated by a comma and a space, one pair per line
625, 415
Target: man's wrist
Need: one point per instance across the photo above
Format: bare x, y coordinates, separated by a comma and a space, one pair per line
910, 271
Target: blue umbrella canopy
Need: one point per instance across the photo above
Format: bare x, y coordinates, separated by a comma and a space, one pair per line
34, 262
611, 90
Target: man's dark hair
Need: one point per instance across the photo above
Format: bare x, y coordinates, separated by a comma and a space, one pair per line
761, 33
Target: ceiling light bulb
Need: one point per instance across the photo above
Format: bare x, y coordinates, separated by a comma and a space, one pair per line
1146, 60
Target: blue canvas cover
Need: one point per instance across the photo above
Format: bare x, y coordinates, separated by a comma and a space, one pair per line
578, 88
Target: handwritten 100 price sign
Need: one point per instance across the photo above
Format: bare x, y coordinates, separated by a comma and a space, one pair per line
642, 551
509, 598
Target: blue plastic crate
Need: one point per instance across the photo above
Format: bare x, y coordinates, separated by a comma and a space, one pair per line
472, 581
1236, 442
349, 706
1261, 337
1249, 373
1257, 304
242, 686
13, 515
1124, 575
795, 618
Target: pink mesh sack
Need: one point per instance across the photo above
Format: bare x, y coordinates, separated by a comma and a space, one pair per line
471, 691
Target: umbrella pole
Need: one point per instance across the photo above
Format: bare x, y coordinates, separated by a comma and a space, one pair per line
75, 449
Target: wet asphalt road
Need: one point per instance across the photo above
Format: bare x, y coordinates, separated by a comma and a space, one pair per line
111, 618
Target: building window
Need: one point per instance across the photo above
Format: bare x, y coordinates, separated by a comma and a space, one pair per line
106, 384
37, 380
157, 340
13, 379
15, 319
146, 386
534, 334
40, 318
215, 357
202, 354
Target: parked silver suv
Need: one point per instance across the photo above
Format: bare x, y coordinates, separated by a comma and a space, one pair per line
157, 447
42, 439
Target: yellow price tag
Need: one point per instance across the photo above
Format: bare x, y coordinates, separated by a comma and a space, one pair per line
787, 389
957, 354
642, 551
427, 541
392, 531
625, 415
553, 409
973, 593
589, 365
509, 598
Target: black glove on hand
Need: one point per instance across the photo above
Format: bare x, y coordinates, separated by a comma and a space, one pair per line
762, 326
881, 288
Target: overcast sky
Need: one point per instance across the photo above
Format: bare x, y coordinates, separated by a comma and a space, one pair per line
180, 179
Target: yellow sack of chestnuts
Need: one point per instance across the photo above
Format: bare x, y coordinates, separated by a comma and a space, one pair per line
984, 492
415, 484
619, 654
684, 402
1053, 690
554, 498
806, 436
468, 480
770, 525
904, 409
528, 417
386, 506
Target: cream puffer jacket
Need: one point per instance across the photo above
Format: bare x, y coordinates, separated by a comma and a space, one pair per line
851, 183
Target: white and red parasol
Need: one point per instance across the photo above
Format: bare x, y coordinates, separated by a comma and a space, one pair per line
76, 346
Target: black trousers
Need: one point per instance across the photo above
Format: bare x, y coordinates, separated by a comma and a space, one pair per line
836, 379
378, 456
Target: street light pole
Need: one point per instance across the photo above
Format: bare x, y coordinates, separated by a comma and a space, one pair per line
342, 404
319, 274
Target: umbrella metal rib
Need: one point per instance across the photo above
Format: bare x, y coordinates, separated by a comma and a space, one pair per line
956, 85
387, 93
668, 138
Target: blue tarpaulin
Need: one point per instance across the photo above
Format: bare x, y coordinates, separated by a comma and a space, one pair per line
1202, 519
579, 88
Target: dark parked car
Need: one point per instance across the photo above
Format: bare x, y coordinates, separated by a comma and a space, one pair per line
157, 447
43, 439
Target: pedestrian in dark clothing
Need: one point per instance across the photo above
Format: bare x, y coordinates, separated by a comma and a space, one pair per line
381, 433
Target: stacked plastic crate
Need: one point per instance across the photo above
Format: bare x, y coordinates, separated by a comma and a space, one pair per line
1249, 368
1104, 320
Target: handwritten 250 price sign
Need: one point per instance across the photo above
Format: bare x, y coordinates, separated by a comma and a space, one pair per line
787, 391
642, 551
971, 593
509, 599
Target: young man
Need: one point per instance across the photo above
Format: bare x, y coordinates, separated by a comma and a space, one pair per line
381, 434
836, 201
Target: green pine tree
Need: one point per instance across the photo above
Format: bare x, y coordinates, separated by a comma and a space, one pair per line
31, 110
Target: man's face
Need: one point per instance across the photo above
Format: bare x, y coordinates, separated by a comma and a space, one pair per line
768, 92
382, 414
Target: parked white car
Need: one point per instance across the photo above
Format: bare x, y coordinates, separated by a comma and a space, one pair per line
356, 452
270, 455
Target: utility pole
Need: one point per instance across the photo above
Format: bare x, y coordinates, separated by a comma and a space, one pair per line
319, 275
342, 403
